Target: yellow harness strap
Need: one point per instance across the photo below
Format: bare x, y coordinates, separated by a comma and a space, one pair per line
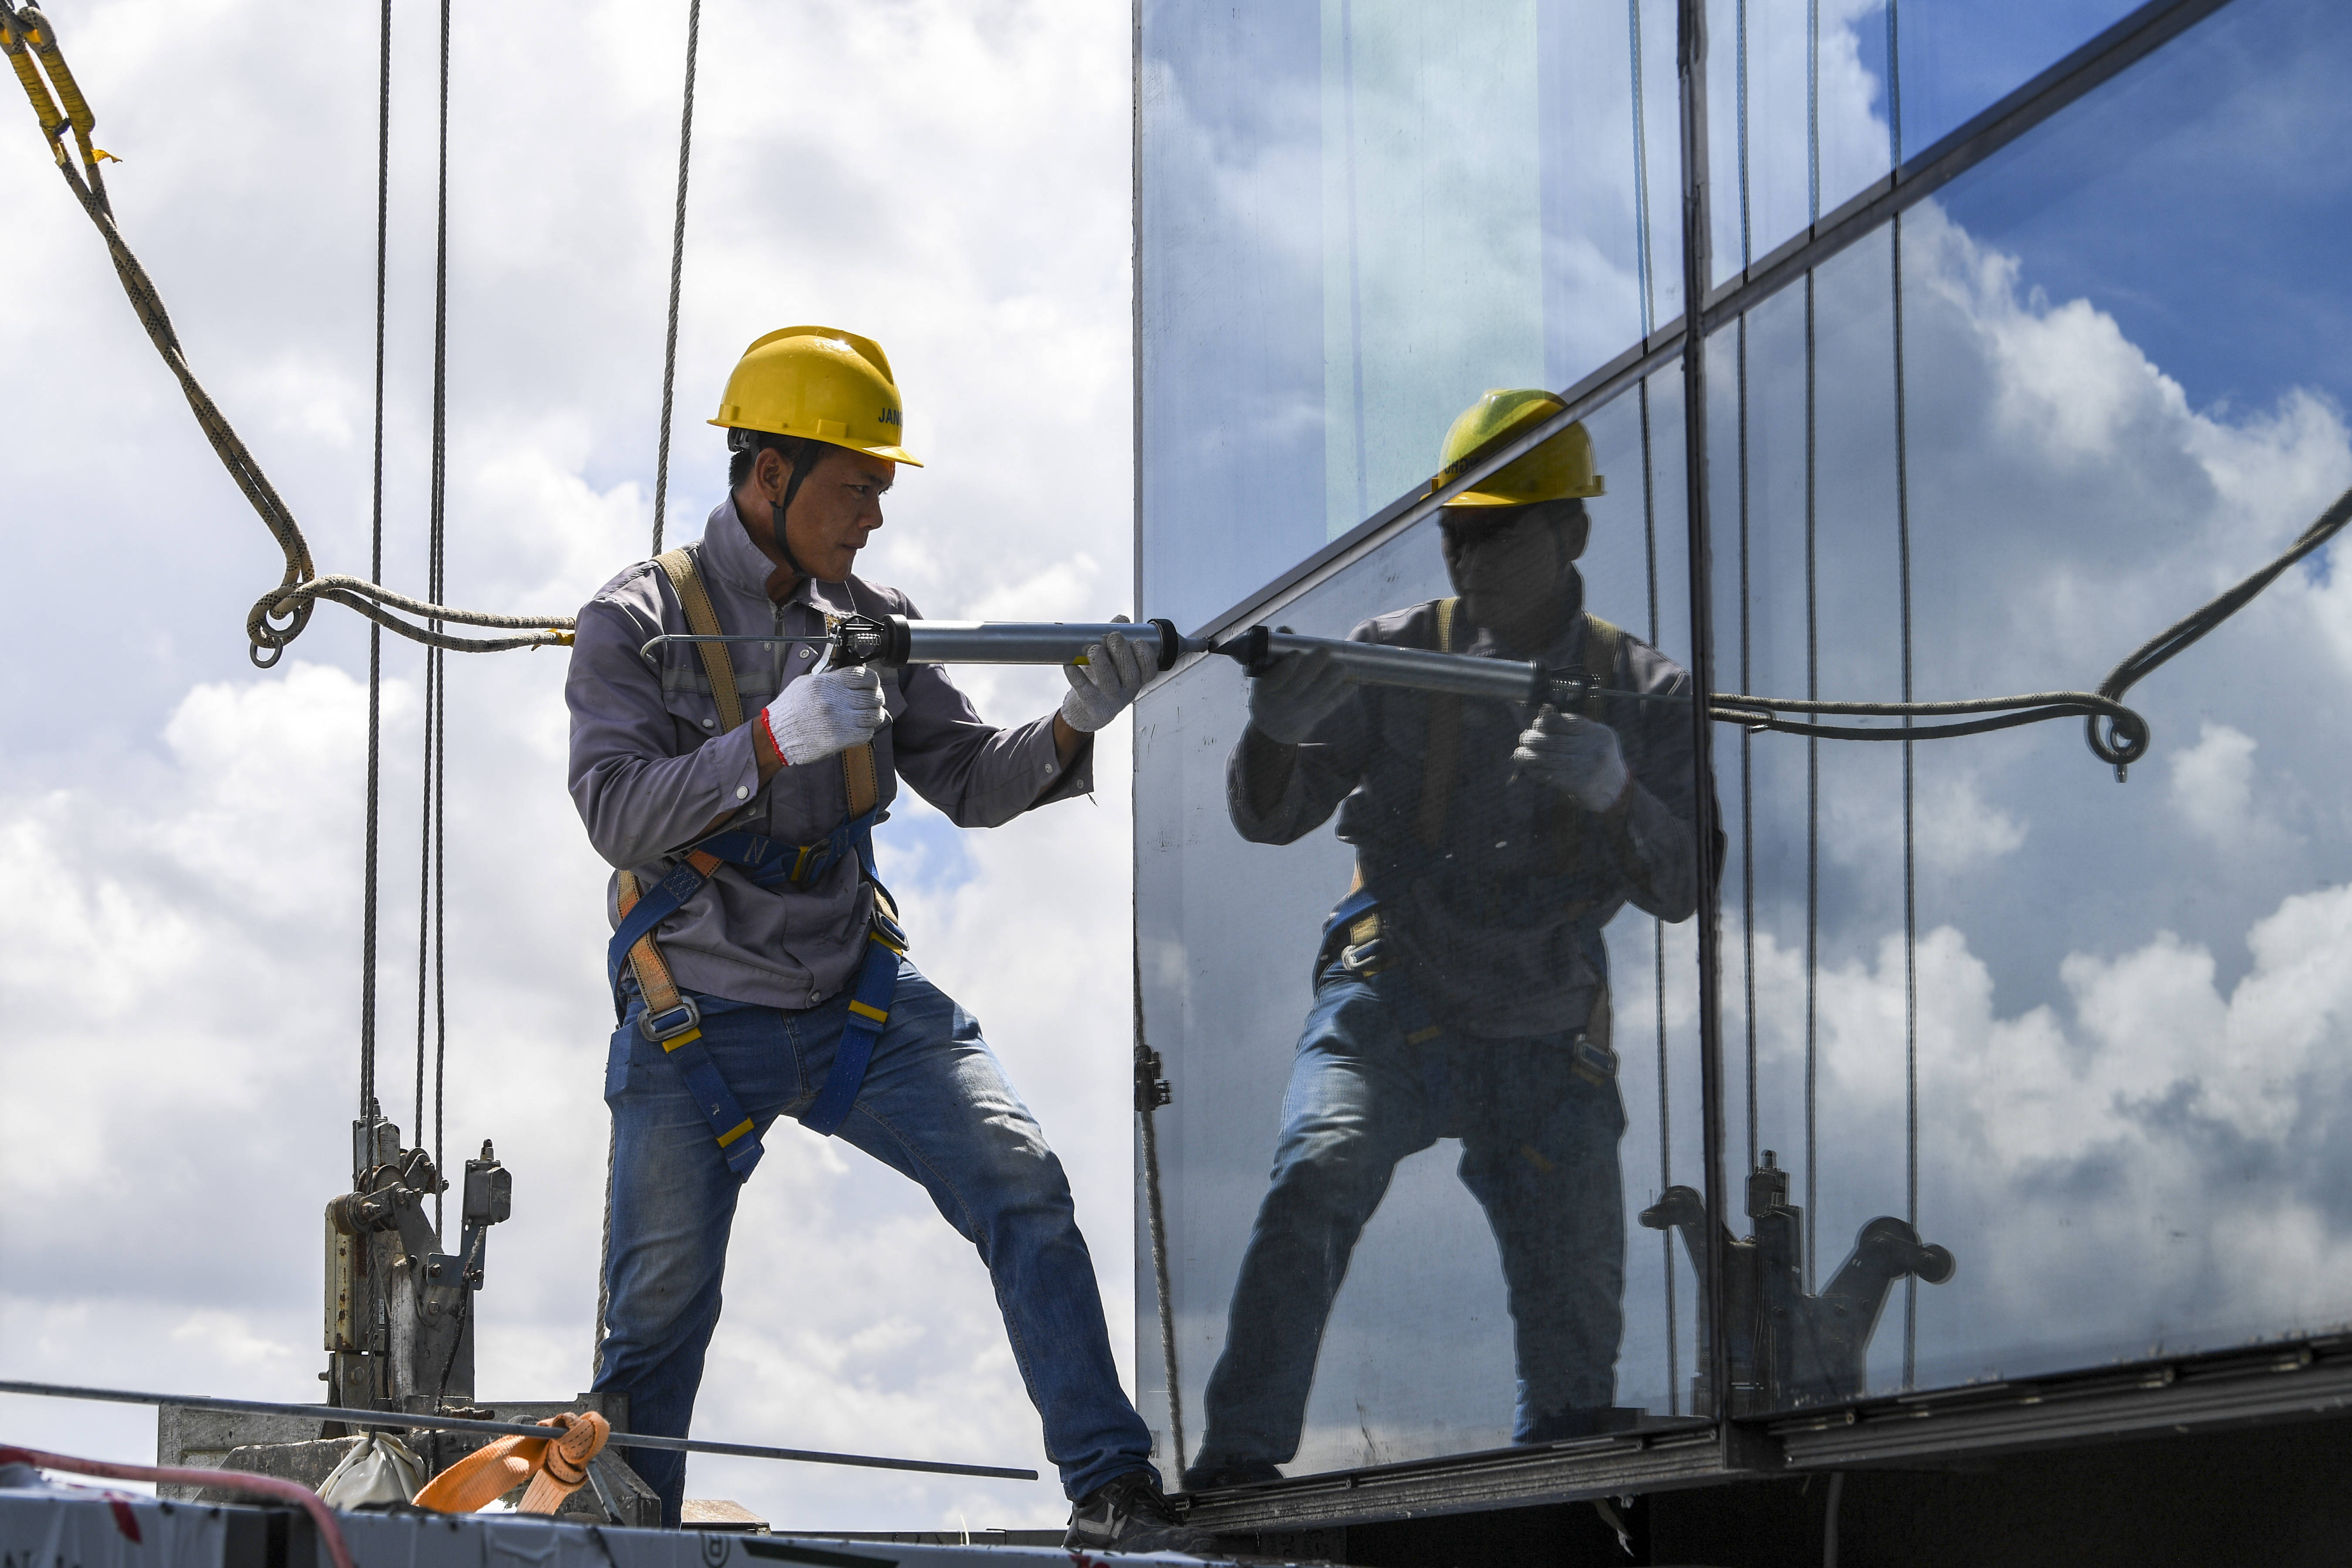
1443, 750
858, 779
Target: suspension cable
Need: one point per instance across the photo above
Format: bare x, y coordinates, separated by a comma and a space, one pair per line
1151, 1091
1910, 857
1746, 737
1650, 558
370, 897
1812, 655
280, 615
676, 270
436, 675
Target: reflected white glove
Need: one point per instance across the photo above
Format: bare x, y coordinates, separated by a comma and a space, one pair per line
1101, 687
1300, 693
1576, 755
822, 714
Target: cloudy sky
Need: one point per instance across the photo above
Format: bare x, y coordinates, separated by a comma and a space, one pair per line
950, 179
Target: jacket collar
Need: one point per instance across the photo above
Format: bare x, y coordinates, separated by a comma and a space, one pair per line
1566, 647
729, 555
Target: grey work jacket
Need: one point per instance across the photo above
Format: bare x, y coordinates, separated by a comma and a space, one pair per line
1498, 919
650, 770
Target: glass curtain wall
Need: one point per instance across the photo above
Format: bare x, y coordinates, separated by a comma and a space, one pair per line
2087, 1037
2057, 1059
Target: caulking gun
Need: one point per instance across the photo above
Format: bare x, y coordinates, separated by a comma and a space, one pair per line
896, 640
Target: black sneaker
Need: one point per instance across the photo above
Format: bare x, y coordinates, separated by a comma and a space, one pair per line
1216, 1473
1131, 1515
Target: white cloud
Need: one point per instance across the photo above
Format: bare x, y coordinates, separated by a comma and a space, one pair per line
2213, 787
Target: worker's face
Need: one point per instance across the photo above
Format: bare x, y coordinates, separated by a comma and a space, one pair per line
1509, 566
838, 505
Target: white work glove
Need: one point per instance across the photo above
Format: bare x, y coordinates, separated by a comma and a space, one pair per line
1300, 693
822, 714
1578, 756
1101, 689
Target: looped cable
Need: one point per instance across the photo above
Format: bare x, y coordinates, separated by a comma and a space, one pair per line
280, 616
275, 618
2177, 637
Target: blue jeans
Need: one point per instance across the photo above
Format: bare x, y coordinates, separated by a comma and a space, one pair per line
1539, 1152
936, 1108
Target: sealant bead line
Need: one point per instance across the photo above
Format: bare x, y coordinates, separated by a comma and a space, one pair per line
401, 1419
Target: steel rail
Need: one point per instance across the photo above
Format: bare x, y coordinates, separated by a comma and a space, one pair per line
416, 1420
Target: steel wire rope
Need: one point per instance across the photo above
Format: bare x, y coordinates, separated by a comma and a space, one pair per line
371, 898
437, 707
1148, 1087
1910, 857
1812, 657
1747, 736
1646, 282
677, 272
280, 615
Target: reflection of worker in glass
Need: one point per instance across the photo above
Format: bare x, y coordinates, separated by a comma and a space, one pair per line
1461, 988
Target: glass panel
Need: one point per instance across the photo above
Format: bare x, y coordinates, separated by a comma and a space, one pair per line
1797, 95
2092, 1040
1356, 215
1425, 1349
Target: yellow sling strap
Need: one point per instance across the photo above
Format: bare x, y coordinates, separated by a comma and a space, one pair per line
1443, 750
858, 780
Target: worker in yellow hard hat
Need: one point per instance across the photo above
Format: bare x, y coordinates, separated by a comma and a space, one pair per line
1461, 985
759, 968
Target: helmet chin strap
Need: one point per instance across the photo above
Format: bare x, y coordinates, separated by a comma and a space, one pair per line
811, 454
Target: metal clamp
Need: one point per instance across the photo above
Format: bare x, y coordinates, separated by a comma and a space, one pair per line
671, 1022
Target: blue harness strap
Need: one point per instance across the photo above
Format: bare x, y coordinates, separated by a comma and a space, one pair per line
738, 1139
1364, 959
768, 862
869, 1012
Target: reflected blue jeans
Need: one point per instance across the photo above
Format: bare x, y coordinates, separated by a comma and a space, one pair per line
1538, 1153
936, 1108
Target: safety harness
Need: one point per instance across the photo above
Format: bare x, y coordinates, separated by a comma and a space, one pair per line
670, 1018
1351, 934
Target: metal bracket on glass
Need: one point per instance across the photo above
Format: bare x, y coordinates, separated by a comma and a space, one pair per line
1788, 1348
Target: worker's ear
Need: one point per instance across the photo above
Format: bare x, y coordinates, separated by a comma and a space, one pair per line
770, 471
1572, 526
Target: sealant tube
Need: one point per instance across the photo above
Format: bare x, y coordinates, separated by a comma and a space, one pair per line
1415, 668
894, 639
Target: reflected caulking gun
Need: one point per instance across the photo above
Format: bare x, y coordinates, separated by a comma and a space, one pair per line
896, 640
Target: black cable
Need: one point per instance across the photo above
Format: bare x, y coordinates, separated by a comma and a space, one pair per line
1658, 946
1812, 784
1746, 737
676, 270
436, 676
2129, 746
1910, 857
370, 897
1149, 1090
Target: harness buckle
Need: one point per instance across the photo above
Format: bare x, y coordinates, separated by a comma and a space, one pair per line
671, 1022
1362, 959
1590, 1060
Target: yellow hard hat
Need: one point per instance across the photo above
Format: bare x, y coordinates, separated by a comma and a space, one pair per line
820, 383
1559, 469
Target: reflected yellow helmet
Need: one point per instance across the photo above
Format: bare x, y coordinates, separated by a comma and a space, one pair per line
820, 383
1559, 469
